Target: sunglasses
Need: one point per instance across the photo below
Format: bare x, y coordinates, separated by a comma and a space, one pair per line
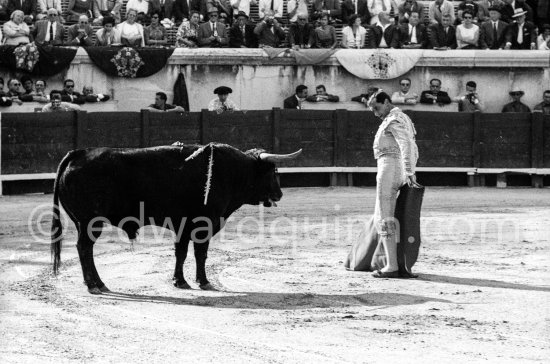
434, 86
213, 15
52, 14
468, 17
16, 84
70, 86
405, 84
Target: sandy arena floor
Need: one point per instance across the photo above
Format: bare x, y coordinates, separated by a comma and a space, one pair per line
284, 296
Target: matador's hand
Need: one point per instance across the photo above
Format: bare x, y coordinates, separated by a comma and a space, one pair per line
411, 181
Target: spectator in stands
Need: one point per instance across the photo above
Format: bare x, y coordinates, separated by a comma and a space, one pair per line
16, 31
296, 9
469, 102
4, 15
325, 34
80, 34
27, 84
353, 35
212, 33
14, 91
516, 105
404, 96
543, 40
182, 9
131, 33
379, 6
164, 9
275, 7
412, 35
104, 8
509, 10
438, 8
77, 8
295, 101
363, 98
225, 12
491, 32
269, 32
5, 100
241, 34
155, 33
331, 8
68, 94
301, 34
521, 34
57, 105
140, 7
239, 6
385, 32
186, 36
28, 7
160, 104
359, 7
49, 31
443, 36
467, 5
91, 96
108, 35
44, 5
544, 106
434, 95
221, 103
405, 9
467, 33
322, 95
39, 94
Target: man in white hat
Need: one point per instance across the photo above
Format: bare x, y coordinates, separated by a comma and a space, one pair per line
516, 105
521, 34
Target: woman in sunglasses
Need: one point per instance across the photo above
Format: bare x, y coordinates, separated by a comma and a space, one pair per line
155, 33
467, 33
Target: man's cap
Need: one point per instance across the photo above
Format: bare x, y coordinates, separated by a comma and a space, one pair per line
519, 12
213, 10
223, 90
242, 13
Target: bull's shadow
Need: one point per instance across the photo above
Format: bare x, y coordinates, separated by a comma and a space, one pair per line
277, 301
478, 282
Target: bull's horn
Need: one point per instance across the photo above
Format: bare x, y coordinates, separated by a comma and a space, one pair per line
279, 157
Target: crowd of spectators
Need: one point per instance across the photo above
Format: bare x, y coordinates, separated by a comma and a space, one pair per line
404, 24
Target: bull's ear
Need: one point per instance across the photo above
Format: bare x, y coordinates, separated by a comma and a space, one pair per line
255, 153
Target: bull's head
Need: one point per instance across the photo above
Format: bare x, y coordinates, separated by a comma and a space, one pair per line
267, 188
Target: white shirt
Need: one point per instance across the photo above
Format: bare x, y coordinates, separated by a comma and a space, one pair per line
351, 40
302, 9
412, 32
244, 5
141, 6
383, 43
50, 24
266, 5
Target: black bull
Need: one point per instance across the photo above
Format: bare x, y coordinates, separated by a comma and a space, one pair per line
193, 188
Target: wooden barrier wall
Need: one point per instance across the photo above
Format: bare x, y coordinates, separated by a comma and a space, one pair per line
36, 142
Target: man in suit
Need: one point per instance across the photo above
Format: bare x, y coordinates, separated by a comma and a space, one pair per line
212, 33
412, 35
438, 9
269, 32
28, 7
165, 8
407, 7
521, 34
107, 8
491, 32
385, 33
301, 33
276, 6
329, 7
509, 9
68, 94
516, 105
181, 9
241, 34
443, 36
80, 34
295, 101
49, 31
434, 95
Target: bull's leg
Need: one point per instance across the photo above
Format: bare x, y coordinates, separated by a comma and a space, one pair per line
201, 250
181, 253
85, 253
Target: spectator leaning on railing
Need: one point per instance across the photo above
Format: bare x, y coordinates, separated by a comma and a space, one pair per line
269, 32
470, 101
16, 31
434, 95
385, 32
405, 96
212, 34
57, 105
412, 35
241, 34
186, 36
68, 93
80, 34
467, 33
131, 33
544, 106
443, 36
543, 40
155, 33
353, 35
521, 34
301, 34
491, 32
108, 35
516, 105
48, 31
295, 101
322, 95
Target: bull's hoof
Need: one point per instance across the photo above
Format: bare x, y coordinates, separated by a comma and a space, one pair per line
104, 289
207, 287
181, 284
94, 290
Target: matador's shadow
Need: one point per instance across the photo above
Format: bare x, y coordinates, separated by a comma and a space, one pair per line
477, 282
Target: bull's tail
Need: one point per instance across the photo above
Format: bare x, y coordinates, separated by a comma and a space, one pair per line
57, 227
